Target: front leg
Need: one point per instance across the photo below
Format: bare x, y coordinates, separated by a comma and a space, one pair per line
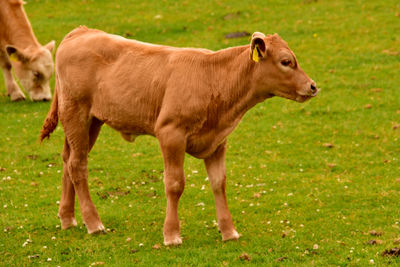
173, 145
13, 89
215, 165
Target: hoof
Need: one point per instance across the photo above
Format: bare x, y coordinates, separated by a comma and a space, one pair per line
68, 223
172, 241
97, 230
230, 236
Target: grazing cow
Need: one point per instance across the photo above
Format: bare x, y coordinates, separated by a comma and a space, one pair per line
32, 63
189, 99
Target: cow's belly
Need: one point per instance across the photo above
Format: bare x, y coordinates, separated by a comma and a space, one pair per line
126, 119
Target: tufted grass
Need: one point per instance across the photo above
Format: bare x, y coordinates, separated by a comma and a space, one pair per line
307, 183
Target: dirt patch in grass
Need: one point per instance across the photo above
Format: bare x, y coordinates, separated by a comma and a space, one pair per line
391, 252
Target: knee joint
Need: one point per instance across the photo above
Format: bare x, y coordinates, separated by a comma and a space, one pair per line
65, 157
175, 187
218, 185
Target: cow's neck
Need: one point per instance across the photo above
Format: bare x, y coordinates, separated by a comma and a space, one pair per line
18, 30
232, 73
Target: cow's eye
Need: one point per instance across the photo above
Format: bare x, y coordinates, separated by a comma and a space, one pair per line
286, 62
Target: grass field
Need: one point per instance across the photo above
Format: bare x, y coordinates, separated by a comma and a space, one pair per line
308, 184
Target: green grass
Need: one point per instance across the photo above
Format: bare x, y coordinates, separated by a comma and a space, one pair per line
310, 194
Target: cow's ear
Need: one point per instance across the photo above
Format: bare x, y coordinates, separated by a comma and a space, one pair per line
16, 54
258, 48
50, 46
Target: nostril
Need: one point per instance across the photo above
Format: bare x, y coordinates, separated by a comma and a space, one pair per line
313, 88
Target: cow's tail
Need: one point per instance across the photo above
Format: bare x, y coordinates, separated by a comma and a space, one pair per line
51, 121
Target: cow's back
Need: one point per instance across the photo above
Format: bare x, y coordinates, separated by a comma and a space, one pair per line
122, 80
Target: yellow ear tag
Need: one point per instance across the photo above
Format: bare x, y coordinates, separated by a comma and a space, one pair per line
255, 53
13, 57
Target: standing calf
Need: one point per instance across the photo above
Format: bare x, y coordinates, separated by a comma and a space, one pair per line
32, 63
189, 99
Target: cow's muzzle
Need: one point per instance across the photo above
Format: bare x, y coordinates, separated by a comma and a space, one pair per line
314, 89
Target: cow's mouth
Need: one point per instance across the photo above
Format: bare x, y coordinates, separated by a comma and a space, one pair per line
314, 92
298, 96
301, 97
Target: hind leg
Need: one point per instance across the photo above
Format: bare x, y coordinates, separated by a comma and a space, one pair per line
66, 211
81, 132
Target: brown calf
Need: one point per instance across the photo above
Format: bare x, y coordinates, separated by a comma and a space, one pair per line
32, 63
190, 99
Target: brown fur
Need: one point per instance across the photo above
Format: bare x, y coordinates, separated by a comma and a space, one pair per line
190, 99
33, 63
51, 121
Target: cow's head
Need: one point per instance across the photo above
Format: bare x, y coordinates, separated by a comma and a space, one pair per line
33, 67
277, 71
